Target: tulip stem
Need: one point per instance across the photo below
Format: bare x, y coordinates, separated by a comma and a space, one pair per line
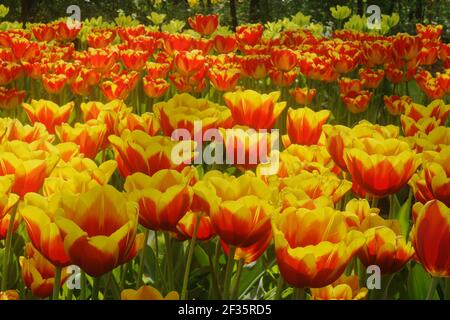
391, 206
280, 287
141, 263
8, 241
189, 259
169, 262
228, 273
299, 294
432, 289
95, 287
56, 283
83, 285
388, 284
235, 289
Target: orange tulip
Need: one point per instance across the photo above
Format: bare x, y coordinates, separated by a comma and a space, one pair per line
357, 102
430, 236
163, 198
134, 59
249, 34
9, 295
28, 165
205, 25
89, 136
371, 78
344, 288
11, 98
139, 152
251, 253
303, 96
48, 113
224, 79
146, 122
54, 83
39, 213
99, 229
225, 43
381, 167
189, 62
437, 175
256, 66
347, 85
284, 59
147, 293
38, 273
396, 105
385, 246
243, 222
250, 108
313, 247
304, 126
155, 88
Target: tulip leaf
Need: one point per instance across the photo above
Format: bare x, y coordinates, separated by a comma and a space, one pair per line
403, 216
419, 282
200, 256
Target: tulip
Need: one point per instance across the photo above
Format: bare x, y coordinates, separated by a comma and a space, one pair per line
381, 167
29, 166
224, 79
146, 122
54, 83
357, 102
432, 251
304, 126
99, 229
155, 88
344, 288
138, 152
38, 273
39, 213
249, 34
316, 185
371, 78
147, 293
284, 59
163, 198
385, 246
251, 253
48, 113
313, 247
347, 85
157, 70
89, 136
225, 43
11, 98
205, 25
184, 110
303, 96
396, 105
256, 66
9, 295
134, 59
250, 108
437, 175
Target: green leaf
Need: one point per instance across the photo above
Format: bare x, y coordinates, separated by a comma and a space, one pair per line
404, 215
200, 256
419, 282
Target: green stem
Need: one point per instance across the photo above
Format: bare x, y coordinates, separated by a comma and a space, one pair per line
8, 241
95, 288
56, 283
83, 285
299, 294
69, 294
228, 273
235, 289
280, 287
391, 206
214, 278
388, 284
141, 263
169, 262
189, 259
432, 289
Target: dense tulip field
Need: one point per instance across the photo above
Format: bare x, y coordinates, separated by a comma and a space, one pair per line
330, 176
